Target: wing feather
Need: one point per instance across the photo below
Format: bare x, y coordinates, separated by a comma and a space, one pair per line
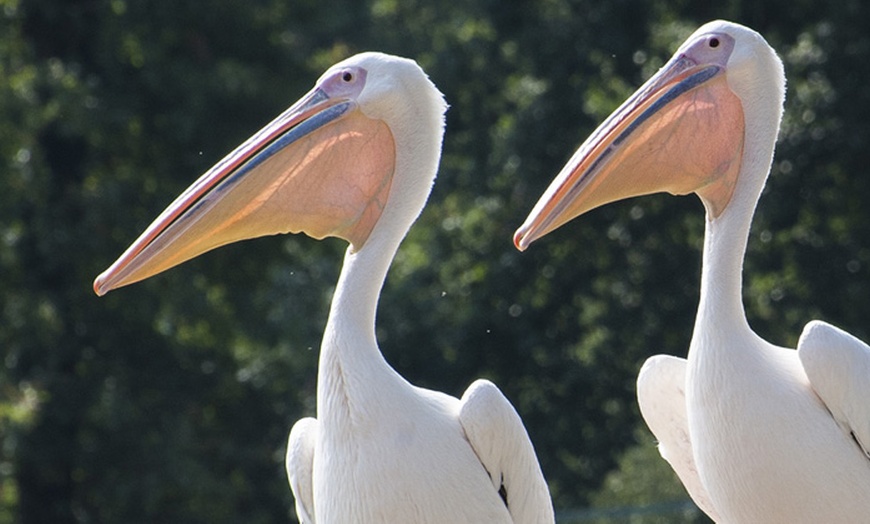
661, 394
838, 367
498, 437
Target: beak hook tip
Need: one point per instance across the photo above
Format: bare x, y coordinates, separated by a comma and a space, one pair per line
521, 240
100, 286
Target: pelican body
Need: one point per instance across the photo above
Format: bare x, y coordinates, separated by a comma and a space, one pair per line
355, 158
756, 433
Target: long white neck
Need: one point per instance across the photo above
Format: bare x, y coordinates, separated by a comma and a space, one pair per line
350, 328
351, 364
721, 322
720, 309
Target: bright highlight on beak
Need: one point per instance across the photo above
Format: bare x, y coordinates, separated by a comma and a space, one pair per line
322, 167
681, 132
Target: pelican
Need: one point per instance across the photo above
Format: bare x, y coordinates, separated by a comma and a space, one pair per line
756, 432
355, 158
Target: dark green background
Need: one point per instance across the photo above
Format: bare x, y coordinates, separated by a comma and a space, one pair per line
171, 400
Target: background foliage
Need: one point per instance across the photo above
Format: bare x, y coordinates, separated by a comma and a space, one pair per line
170, 401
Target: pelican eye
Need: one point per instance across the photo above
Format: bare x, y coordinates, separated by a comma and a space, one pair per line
347, 76
714, 42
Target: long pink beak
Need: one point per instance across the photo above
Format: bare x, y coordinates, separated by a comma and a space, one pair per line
681, 132
321, 167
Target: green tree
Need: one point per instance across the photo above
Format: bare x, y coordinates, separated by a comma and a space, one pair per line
171, 400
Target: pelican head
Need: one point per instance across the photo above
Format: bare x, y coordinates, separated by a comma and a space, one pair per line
696, 126
327, 166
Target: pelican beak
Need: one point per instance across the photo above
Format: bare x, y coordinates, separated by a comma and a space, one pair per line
681, 132
322, 167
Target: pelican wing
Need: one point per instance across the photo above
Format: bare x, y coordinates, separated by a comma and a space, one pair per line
661, 395
498, 437
838, 366
300, 467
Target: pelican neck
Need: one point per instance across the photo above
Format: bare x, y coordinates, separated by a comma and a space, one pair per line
350, 328
721, 298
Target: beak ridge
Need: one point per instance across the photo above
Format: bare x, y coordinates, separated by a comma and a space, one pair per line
658, 140
321, 167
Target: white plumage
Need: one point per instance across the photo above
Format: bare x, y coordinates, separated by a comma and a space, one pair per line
757, 433
356, 158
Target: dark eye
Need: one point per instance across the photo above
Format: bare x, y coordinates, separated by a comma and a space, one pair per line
347, 76
714, 42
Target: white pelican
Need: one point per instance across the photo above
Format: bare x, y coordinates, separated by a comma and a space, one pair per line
355, 158
756, 432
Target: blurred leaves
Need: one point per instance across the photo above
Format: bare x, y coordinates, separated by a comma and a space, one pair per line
171, 400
